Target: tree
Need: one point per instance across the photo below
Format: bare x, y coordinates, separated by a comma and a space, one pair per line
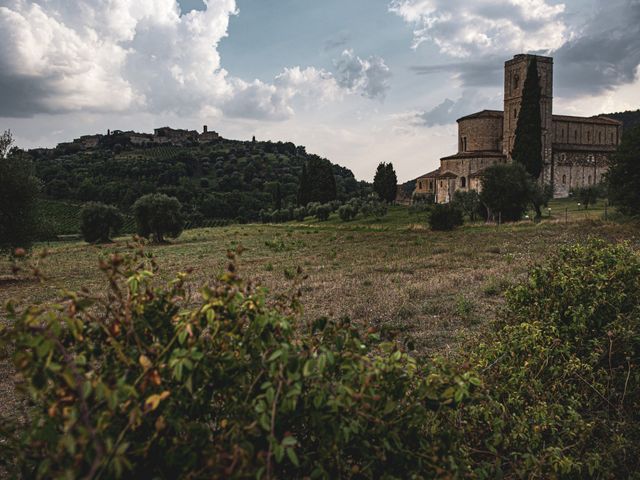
19, 189
624, 174
540, 196
587, 195
468, 202
506, 191
527, 148
317, 182
385, 182
99, 222
158, 215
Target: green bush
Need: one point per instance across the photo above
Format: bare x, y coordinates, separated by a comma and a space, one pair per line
347, 213
445, 217
506, 191
158, 215
99, 222
148, 383
562, 372
322, 212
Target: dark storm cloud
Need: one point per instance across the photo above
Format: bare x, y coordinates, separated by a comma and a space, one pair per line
449, 110
605, 54
22, 96
486, 73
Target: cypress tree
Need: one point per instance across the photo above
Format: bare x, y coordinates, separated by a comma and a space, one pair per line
379, 181
527, 148
391, 183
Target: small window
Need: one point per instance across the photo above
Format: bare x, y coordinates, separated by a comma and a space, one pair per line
463, 182
563, 157
589, 180
590, 158
420, 185
441, 183
430, 184
516, 81
464, 144
564, 179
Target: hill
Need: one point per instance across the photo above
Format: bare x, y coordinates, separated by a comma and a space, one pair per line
629, 119
221, 179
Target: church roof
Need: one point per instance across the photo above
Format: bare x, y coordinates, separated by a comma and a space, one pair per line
433, 174
448, 175
479, 154
484, 114
599, 119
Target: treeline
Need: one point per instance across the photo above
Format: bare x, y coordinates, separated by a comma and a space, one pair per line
222, 180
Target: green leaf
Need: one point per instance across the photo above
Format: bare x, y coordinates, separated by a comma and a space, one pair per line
291, 453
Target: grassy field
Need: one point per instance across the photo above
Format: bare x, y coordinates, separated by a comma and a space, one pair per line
435, 288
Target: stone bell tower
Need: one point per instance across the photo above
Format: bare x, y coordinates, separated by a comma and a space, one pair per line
515, 74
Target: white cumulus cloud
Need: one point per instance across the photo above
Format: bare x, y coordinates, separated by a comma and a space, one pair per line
106, 56
367, 76
463, 28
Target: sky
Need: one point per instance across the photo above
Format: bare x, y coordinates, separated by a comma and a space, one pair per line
357, 81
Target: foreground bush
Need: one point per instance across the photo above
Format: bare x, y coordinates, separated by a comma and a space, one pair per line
148, 383
445, 217
99, 222
562, 372
158, 216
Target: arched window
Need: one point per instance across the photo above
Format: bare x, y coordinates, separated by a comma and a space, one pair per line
564, 179
463, 182
420, 185
589, 180
515, 113
430, 184
563, 157
516, 81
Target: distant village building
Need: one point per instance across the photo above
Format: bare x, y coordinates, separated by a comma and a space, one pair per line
208, 135
170, 135
576, 150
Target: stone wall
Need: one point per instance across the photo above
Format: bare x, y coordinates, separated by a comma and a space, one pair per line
573, 169
482, 134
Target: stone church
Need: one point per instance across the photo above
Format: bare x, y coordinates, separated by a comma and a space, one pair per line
575, 150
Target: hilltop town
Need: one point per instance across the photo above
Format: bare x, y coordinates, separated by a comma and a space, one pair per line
160, 136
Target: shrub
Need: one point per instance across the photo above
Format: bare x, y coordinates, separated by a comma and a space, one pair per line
322, 212
148, 383
300, 214
98, 222
372, 207
158, 215
564, 365
445, 217
347, 212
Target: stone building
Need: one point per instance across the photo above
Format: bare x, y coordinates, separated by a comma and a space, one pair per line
575, 150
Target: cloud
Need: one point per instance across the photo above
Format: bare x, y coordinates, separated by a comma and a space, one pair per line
126, 56
368, 77
461, 28
449, 110
485, 73
604, 53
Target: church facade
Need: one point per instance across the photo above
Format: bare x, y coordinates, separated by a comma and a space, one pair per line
575, 150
